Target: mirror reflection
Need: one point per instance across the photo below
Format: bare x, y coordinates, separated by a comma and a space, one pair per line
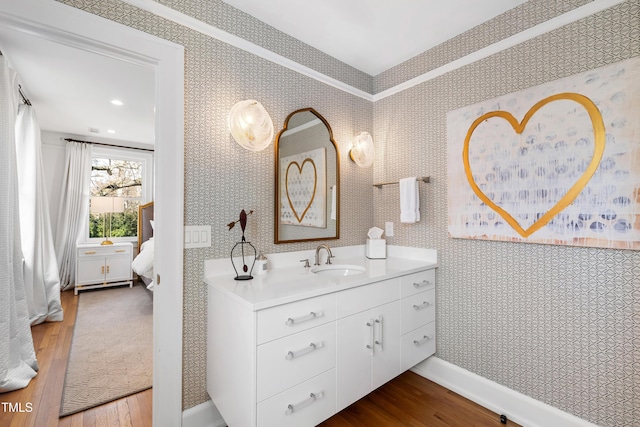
307, 180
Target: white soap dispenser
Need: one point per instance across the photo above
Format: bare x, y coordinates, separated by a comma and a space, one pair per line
262, 266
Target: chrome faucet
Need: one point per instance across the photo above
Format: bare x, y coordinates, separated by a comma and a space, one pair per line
329, 254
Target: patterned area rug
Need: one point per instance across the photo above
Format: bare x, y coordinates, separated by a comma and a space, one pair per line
112, 348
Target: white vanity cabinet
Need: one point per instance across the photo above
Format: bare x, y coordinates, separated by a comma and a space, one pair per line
418, 317
368, 332
294, 353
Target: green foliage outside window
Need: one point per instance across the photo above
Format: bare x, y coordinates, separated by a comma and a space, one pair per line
116, 178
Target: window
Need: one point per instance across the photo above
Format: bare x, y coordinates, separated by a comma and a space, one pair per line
122, 173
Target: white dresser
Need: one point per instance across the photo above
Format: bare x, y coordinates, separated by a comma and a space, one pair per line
293, 348
99, 266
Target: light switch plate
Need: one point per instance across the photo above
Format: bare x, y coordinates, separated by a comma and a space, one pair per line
388, 229
197, 236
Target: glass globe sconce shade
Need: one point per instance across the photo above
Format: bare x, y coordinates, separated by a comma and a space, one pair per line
362, 152
250, 125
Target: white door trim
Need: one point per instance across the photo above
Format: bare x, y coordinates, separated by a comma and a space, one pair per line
64, 24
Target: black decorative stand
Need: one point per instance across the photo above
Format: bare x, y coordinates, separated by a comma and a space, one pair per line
239, 253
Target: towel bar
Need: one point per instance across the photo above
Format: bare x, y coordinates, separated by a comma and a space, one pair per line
424, 179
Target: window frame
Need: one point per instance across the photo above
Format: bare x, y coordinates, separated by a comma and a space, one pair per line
130, 154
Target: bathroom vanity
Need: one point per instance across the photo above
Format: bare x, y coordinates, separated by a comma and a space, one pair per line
298, 345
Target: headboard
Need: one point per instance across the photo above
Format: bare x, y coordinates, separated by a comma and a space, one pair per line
145, 215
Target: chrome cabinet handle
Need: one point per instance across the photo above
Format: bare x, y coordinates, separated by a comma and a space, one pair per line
312, 347
291, 408
371, 336
292, 321
379, 340
424, 304
422, 340
422, 284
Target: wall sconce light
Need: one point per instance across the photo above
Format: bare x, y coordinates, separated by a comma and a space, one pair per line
251, 125
362, 152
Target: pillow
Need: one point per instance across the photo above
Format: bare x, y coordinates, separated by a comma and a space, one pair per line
152, 225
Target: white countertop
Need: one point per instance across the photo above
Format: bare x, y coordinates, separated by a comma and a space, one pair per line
292, 283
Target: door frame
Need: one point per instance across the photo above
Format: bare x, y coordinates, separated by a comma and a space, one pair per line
73, 27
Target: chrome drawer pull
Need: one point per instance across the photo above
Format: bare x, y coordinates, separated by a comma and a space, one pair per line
425, 304
371, 337
312, 398
378, 342
291, 321
422, 284
293, 354
423, 340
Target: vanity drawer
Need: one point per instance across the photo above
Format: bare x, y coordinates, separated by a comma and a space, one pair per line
417, 282
293, 359
307, 404
417, 345
294, 317
418, 310
363, 298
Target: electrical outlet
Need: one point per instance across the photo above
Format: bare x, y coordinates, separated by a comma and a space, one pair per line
388, 229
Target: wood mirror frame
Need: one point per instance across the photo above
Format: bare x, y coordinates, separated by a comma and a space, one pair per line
303, 151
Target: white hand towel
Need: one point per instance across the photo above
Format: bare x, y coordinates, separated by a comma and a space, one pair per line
333, 202
409, 200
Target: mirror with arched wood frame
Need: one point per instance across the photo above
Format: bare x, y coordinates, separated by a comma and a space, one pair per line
307, 180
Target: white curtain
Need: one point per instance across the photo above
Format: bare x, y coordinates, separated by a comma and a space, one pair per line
73, 216
41, 279
17, 356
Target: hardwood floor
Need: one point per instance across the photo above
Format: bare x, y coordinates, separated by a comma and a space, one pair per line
410, 400
40, 400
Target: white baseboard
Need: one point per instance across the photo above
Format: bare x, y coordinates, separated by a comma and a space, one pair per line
203, 415
518, 407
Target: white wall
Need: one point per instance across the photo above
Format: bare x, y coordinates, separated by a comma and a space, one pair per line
53, 148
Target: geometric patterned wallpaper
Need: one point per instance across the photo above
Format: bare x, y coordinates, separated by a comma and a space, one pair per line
222, 178
559, 324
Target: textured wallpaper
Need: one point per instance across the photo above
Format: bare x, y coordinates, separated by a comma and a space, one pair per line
560, 324
222, 178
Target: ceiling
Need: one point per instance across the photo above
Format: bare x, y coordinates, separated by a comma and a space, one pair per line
374, 35
71, 89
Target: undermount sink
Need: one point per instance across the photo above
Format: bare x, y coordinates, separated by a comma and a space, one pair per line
338, 270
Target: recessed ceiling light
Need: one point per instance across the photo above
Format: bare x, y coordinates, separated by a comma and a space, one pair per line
117, 102
111, 131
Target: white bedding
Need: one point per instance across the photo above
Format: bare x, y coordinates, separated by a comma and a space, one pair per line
143, 263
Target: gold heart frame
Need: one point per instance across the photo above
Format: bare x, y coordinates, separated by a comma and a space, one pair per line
315, 185
574, 191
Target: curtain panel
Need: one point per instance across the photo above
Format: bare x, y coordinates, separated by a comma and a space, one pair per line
18, 363
73, 216
41, 278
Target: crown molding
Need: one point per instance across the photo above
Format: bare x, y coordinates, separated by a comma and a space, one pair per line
240, 43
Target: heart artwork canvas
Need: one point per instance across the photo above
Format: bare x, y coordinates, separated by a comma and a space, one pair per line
557, 163
303, 189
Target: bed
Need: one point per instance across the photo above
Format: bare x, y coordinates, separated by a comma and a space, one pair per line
143, 263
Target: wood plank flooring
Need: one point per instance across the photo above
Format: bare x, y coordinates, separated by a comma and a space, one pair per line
44, 393
408, 400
